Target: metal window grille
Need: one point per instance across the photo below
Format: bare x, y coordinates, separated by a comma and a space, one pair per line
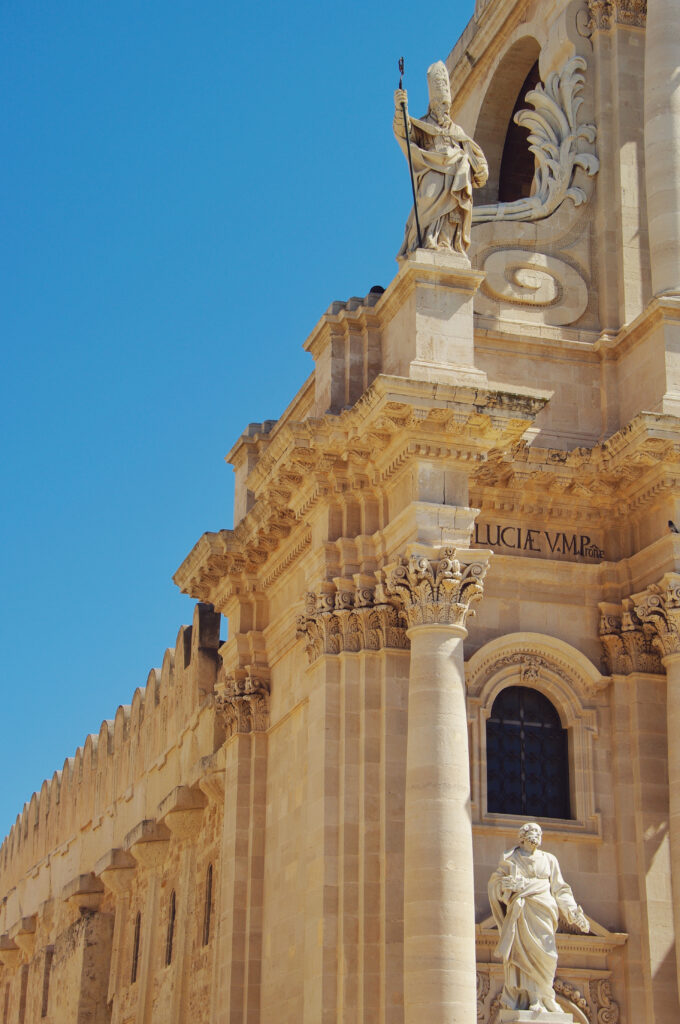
527, 756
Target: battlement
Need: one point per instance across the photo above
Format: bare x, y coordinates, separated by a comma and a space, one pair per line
153, 737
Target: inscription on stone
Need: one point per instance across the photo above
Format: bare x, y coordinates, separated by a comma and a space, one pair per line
546, 542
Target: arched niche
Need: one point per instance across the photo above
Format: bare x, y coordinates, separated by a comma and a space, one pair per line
499, 105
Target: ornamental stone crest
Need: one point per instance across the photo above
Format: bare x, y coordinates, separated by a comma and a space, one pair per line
436, 591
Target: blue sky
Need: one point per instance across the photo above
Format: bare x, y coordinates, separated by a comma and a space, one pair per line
184, 189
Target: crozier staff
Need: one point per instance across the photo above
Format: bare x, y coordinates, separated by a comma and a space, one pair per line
526, 893
446, 165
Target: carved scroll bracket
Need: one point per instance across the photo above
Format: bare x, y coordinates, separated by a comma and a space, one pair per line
438, 590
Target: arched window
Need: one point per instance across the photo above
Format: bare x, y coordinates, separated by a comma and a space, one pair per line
517, 162
526, 756
207, 907
171, 929
135, 949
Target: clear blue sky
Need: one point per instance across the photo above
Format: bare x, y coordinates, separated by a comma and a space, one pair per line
184, 189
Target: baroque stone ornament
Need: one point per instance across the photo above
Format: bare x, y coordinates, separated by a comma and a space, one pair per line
242, 700
556, 138
436, 591
605, 13
447, 164
527, 894
628, 644
350, 616
606, 1008
659, 607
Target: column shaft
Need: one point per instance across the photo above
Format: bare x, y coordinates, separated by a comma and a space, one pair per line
672, 665
439, 927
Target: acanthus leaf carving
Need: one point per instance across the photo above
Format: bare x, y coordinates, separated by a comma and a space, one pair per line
606, 1008
242, 700
658, 607
341, 618
436, 591
556, 138
628, 644
605, 13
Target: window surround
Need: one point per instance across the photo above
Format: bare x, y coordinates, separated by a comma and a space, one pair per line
572, 684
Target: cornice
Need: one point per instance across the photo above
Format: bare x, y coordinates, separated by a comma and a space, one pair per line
305, 462
633, 467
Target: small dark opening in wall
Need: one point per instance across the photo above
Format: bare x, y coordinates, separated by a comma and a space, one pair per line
517, 162
207, 909
135, 949
49, 954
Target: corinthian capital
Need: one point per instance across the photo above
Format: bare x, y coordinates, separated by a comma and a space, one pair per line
437, 590
659, 607
242, 700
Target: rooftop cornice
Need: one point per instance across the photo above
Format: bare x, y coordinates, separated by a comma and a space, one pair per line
397, 419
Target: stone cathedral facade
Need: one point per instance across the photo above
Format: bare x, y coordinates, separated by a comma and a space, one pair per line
453, 602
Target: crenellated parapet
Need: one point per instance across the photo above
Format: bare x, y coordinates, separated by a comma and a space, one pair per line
114, 763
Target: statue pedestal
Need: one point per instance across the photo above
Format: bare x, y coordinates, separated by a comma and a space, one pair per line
428, 319
533, 1017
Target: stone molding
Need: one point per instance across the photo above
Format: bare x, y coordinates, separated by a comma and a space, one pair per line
242, 700
440, 590
350, 615
606, 13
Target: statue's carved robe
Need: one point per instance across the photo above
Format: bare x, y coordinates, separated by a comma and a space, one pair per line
527, 925
447, 164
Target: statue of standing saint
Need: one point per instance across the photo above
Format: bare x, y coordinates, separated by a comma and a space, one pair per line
526, 892
447, 165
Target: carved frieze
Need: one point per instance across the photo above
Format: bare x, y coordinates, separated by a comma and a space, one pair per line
605, 13
350, 616
242, 700
436, 591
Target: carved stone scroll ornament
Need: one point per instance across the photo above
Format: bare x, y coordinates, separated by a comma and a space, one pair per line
556, 138
350, 617
436, 591
659, 607
606, 1008
242, 700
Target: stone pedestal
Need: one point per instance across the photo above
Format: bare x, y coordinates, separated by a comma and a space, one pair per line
439, 919
428, 320
533, 1017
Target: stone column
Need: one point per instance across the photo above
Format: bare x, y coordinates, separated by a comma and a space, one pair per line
439, 923
659, 606
662, 143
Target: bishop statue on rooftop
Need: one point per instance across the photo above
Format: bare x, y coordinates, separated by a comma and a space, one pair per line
447, 165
